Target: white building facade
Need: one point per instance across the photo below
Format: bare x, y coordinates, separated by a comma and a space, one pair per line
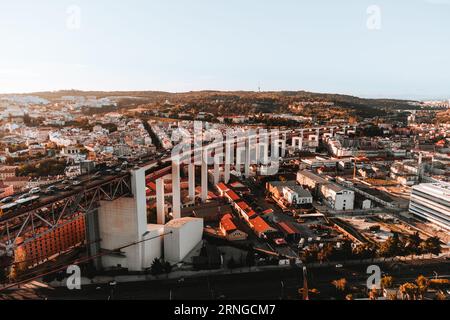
431, 201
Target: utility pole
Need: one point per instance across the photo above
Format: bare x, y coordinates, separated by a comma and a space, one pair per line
305, 284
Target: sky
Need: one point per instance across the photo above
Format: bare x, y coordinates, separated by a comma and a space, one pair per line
376, 48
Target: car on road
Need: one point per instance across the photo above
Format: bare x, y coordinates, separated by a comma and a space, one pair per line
339, 266
24, 196
50, 190
35, 190
7, 200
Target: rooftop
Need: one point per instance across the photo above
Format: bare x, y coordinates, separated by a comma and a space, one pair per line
232, 195
439, 190
312, 176
300, 191
179, 223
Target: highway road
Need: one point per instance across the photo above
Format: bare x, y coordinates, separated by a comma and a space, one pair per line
270, 285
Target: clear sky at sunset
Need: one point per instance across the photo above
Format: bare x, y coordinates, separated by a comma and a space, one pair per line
179, 45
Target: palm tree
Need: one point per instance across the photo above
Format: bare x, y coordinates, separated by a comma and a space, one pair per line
157, 267
414, 242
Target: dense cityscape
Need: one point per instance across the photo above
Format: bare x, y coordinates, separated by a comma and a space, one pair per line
140, 189
210, 159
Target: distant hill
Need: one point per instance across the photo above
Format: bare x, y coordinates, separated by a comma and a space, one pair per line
255, 101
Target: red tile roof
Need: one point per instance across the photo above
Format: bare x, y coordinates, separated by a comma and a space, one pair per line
287, 228
152, 186
228, 225
243, 205
268, 211
259, 225
227, 216
232, 195
222, 187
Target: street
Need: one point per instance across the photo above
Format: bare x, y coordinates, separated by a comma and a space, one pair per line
270, 285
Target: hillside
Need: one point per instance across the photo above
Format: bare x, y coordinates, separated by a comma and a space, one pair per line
240, 102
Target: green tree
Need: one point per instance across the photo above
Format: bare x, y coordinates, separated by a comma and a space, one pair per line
341, 284
364, 251
157, 267
409, 291
387, 282
325, 253
422, 285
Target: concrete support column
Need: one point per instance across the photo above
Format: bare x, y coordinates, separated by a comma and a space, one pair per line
204, 185
283, 148
228, 159
265, 153
191, 178
160, 205
239, 156
216, 171
247, 155
93, 237
176, 191
263, 147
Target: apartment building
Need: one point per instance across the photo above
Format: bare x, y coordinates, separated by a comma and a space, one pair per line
431, 202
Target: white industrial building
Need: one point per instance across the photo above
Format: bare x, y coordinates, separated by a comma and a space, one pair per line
297, 195
181, 237
119, 225
431, 201
336, 196
339, 198
124, 221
